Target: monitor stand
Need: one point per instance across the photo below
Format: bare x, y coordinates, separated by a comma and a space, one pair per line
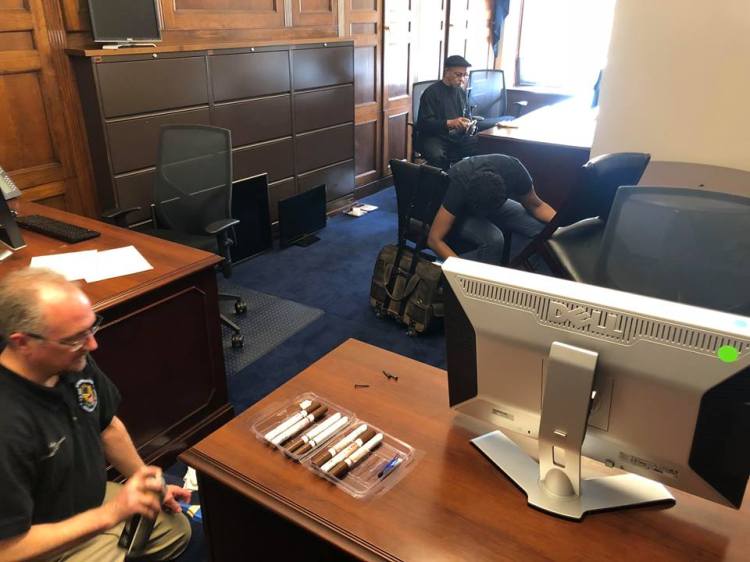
554, 484
306, 240
5, 254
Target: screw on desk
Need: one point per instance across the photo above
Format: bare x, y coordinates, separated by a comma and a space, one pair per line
390, 375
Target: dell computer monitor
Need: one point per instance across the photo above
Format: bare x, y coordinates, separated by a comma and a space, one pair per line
125, 21
301, 215
658, 389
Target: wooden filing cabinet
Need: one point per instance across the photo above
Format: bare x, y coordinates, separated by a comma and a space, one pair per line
290, 109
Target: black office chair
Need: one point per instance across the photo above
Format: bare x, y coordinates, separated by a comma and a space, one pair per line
488, 98
193, 198
569, 244
684, 245
417, 90
407, 177
433, 183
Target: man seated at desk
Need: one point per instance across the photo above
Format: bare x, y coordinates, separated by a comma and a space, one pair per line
59, 430
443, 126
486, 194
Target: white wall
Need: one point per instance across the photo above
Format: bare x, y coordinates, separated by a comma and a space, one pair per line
677, 84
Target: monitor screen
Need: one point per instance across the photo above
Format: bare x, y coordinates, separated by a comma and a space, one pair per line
301, 215
658, 389
10, 235
124, 20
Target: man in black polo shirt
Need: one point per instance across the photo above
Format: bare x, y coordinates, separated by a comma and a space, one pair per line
443, 123
59, 429
487, 193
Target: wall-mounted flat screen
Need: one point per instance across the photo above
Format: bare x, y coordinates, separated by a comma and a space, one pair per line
124, 21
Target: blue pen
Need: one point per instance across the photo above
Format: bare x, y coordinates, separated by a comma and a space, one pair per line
390, 466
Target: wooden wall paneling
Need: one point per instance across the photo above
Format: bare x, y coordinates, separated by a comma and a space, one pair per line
41, 138
323, 13
76, 14
222, 14
363, 21
366, 152
398, 36
397, 143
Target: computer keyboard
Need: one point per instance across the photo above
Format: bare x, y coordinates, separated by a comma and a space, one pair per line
59, 230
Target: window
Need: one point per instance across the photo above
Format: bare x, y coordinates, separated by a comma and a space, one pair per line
563, 43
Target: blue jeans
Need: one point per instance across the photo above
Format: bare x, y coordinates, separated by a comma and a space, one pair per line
485, 233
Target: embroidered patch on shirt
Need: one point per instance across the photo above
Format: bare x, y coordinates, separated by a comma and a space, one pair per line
87, 398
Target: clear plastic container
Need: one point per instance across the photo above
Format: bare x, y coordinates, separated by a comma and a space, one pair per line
375, 469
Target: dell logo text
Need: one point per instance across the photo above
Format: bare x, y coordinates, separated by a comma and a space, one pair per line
580, 318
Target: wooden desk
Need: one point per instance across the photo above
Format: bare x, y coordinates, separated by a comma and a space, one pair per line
161, 340
552, 142
454, 505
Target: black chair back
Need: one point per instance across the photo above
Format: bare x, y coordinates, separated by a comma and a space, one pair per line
193, 182
487, 93
417, 90
591, 197
430, 184
684, 245
600, 177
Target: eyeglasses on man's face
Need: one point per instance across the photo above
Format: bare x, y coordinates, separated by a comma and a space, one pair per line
460, 74
76, 342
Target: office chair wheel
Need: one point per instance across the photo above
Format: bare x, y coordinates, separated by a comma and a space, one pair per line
240, 307
238, 341
411, 332
378, 311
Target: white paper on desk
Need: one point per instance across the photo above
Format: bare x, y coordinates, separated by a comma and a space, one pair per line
73, 265
117, 262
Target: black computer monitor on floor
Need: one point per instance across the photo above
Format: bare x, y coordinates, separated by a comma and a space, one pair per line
301, 216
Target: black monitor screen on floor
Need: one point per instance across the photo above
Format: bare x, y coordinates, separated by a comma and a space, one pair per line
124, 20
302, 215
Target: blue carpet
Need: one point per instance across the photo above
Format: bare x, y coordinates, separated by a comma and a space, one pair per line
333, 275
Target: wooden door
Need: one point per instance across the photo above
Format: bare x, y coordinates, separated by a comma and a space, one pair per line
469, 31
363, 21
398, 36
40, 127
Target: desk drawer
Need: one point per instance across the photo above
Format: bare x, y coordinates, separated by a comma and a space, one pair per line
134, 143
339, 180
255, 120
327, 146
248, 75
275, 158
132, 87
136, 190
322, 66
323, 108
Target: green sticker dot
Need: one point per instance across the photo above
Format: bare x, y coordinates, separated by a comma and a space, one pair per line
728, 354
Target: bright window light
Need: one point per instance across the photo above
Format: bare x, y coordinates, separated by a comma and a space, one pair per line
564, 42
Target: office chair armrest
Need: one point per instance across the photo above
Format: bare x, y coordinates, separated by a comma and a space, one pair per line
219, 226
118, 216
